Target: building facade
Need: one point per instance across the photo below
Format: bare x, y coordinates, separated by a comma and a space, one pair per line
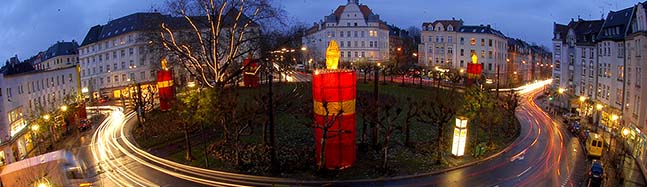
360, 34
635, 110
450, 44
606, 72
27, 94
117, 54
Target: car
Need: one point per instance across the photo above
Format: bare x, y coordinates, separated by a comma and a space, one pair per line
596, 174
84, 125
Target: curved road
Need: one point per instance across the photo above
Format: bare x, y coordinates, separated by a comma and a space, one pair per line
542, 156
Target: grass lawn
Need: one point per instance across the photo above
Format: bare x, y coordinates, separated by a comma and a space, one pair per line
296, 141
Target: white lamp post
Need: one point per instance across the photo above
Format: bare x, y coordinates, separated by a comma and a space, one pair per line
460, 136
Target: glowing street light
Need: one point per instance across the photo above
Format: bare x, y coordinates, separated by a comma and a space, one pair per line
615, 117
35, 127
304, 49
582, 98
625, 131
460, 136
561, 90
599, 107
84, 90
46, 116
64, 108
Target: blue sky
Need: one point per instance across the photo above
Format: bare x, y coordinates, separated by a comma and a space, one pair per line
29, 26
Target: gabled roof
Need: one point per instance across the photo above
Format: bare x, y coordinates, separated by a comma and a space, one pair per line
481, 29
618, 21
366, 12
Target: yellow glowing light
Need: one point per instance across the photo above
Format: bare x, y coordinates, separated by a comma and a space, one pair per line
64, 108
461, 70
43, 185
561, 90
475, 59
582, 98
46, 117
332, 55
34, 127
615, 117
598, 107
460, 136
625, 131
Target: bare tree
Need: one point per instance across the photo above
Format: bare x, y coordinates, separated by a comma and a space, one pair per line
413, 110
388, 125
220, 34
438, 112
143, 101
330, 119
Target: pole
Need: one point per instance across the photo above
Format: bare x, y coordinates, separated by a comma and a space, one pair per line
270, 115
497, 80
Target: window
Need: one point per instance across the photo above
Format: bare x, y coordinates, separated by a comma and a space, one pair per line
473, 41
462, 52
362, 34
123, 65
482, 53
341, 44
449, 38
482, 41
489, 54
341, 34
363, 44
490, 42
116, 78
462, 40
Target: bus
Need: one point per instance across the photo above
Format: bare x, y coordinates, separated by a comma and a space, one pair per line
594, 145
58, 168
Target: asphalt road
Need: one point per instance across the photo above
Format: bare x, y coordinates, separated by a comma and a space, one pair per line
544, 155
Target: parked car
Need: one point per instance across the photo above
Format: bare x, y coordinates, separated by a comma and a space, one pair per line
84, 125
569, 117
596, 174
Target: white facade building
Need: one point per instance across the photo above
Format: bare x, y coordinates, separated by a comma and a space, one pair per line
116, 55
450, 44
26, 93
360, 34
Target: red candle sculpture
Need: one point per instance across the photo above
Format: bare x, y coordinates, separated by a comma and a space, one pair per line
165, 87
334, 93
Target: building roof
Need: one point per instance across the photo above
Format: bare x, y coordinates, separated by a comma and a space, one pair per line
17, 68
615, 26
454, 23
61, 49
561, 31
586, 31
481, 29
151, 22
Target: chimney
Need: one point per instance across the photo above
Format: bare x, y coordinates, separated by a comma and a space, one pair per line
453, 18
488, 25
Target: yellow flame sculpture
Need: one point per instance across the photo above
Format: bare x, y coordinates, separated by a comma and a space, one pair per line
475, 59
332, 55
164, 63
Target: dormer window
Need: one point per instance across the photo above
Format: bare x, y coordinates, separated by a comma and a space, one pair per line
450, 28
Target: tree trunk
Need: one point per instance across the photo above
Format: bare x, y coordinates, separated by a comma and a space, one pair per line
439, 140
272, 136
407, 134
385, 156
189, 154
322, 155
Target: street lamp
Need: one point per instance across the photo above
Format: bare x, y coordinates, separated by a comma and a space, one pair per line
64, 108
35, 127
561, 90
46, 116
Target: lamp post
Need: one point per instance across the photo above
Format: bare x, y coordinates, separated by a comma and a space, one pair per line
625, 137
598, 109
34, 130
